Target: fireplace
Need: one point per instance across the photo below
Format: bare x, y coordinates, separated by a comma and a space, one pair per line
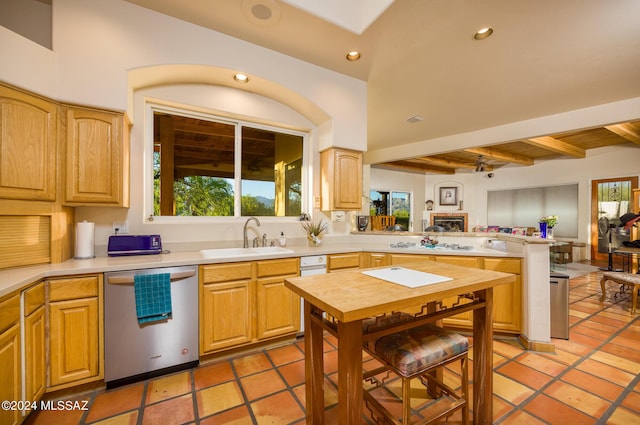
452, 222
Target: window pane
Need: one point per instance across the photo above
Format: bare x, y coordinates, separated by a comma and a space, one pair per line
271, 173
401, 208
193, 166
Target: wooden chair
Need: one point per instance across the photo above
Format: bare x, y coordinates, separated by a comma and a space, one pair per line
382, 222
418, 353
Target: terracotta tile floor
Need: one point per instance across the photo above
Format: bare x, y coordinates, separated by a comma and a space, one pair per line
593, 378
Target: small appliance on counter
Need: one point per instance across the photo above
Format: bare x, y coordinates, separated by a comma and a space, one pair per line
120, 245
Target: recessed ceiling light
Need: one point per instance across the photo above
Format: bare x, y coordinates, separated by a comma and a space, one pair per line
353, 56
261, 12
483, 33
414, 119
241, 78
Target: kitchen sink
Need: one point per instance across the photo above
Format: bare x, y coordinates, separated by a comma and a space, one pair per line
243, 252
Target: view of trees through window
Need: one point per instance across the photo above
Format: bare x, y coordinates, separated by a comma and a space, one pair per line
397, 204
195, 171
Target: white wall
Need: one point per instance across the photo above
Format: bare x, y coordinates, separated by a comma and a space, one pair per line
97, 44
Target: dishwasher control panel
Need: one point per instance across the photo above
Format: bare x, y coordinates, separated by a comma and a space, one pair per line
313, 261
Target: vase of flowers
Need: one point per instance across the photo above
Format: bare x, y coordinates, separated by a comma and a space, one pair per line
314, 231
546, 226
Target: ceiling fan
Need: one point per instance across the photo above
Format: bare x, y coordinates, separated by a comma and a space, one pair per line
481, 164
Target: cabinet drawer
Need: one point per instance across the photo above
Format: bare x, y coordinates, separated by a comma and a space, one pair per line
284, 267
33, 298
410, 258
343, 261
507, 265
459, 260
73, 288
225, 272
9, 312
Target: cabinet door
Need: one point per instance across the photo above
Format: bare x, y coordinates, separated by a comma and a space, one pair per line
341, 171
35, 355
507, 299
377, 259
33, 334
463, 319
97, 165
10, 389
278, 308
27, 146
225, 315
74, 340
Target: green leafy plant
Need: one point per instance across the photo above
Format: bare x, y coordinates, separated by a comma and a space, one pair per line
315, 229
551, 220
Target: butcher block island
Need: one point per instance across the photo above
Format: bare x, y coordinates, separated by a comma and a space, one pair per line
349, 297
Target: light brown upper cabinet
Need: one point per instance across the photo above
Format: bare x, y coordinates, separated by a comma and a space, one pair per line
97, 157
27, 146
341, 179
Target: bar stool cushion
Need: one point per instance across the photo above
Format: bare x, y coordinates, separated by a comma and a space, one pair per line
622, 278
417, 349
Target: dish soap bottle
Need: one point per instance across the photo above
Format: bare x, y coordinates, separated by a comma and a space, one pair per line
283, 239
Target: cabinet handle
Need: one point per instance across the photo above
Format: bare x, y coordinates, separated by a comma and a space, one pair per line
128, 279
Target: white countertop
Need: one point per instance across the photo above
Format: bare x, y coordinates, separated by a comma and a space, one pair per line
18, 278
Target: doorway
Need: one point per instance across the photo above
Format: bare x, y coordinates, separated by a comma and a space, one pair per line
610, 199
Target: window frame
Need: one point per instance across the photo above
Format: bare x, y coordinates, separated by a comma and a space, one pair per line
390, 205
194, 112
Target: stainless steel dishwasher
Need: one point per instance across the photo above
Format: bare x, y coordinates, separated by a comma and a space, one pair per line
134, 352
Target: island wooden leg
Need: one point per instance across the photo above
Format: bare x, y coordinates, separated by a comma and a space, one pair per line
483, 360
350, 373
314, 368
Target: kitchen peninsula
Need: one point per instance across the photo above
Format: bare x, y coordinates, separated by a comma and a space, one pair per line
363, 250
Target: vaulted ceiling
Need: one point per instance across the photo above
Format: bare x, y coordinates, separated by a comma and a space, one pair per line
419, 58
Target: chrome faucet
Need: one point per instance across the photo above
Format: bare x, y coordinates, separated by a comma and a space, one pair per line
246, 239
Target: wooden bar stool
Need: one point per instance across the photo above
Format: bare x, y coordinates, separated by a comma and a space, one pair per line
628, 281
417, 353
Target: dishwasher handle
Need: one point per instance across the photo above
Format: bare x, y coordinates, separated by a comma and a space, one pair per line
128, 279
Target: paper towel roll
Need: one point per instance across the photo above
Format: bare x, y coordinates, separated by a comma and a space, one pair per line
85, 235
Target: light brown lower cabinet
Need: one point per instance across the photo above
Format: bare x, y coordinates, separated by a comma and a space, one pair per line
10, 379
35, 355
75, 331
246, 302
225, 319
277, 307
507, 299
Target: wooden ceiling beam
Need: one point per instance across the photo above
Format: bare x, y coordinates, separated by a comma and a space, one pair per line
406, 165
626, 130
501, 155
558, 146
447, 163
